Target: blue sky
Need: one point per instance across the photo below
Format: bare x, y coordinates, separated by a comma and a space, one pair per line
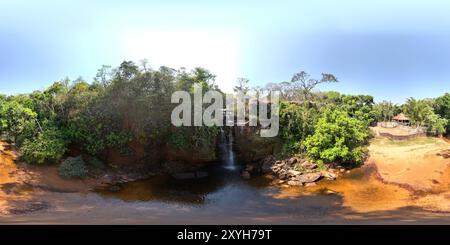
392, 50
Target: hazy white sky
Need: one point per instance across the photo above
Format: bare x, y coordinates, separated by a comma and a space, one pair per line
218, 51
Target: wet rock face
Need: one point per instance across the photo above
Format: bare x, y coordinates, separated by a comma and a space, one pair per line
203, 156
174, 167
190, 175
250, 147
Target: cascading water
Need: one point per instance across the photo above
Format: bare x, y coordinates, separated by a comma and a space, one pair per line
226, 147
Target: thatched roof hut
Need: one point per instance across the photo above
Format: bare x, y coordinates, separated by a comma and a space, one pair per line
401, 118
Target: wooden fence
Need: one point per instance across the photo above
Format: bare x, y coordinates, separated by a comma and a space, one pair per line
401, 137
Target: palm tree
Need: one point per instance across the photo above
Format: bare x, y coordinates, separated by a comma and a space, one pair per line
417, 110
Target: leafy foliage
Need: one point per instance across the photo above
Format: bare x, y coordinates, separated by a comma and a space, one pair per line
122, 104
421, 113
442, 108
296, 123
48, 147
337, 138
73, 167
131, 104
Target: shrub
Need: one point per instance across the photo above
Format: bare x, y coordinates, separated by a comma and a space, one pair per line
73, 167
48, 147
338, 138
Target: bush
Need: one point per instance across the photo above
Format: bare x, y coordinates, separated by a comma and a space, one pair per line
73, 167
338, 138
48, 147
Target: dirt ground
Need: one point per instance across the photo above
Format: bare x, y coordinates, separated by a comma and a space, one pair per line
19, 183
421, 165
397, 175
403, 182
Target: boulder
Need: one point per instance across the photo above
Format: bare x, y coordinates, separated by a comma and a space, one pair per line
308, 178
308, 165
280, 181
278, 167
310, 184
108, 180
294, 183
329, 175
294, 173
292, 161
267, 163
283, 175
332, 170
266, 167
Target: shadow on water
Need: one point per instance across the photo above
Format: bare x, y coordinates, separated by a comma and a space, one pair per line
223, 181
218, 184
358, 195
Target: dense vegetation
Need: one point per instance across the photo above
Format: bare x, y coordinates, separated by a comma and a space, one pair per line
333, 127
121, 105
132, 103
434, 114
327, 127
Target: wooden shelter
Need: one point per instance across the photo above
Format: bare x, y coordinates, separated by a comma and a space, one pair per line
401, 119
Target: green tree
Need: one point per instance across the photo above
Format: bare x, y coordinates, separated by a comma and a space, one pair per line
418, 111
296, 123
47, 148
436, 124
442, 108
18, 122
386, 110
359, 106
338, 138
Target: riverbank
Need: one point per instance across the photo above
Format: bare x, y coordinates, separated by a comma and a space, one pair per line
421, 165
376, 193
418, 164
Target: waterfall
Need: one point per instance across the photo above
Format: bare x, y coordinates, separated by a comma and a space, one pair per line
226, 147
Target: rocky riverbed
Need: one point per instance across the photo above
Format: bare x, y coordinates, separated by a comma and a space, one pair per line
293, 171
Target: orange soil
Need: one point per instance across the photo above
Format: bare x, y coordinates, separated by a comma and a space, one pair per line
417, 164
397, 175
19, 182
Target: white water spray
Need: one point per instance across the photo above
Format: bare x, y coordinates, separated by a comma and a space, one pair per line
226, 147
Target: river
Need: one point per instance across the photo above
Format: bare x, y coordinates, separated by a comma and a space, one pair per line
223, 197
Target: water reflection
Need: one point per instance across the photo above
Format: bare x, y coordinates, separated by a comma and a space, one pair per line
360, 191
218, 185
